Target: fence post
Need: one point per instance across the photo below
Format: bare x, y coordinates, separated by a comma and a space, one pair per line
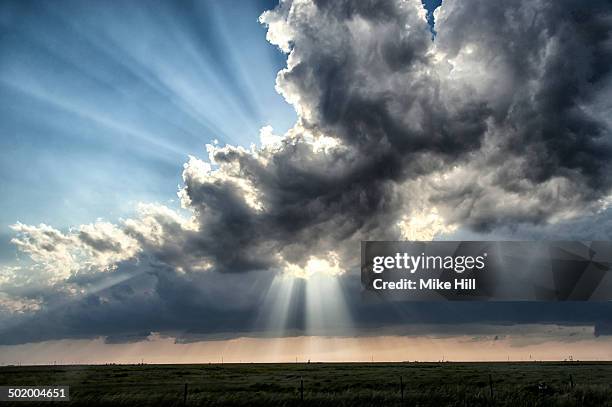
491, 385
571, 382
301, 389
185, 395
402, 388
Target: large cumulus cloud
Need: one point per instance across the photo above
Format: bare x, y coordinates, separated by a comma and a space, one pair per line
500, 125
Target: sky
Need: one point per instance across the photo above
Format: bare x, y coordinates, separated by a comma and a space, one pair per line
97, 115
201, 173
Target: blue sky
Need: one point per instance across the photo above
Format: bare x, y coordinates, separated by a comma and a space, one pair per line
96, 115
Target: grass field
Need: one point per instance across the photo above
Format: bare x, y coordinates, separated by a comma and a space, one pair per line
326, 384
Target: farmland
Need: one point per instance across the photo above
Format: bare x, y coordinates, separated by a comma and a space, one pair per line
326, 384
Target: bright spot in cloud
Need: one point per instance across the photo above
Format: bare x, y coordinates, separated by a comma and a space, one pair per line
424, 225
268, 138
329, 266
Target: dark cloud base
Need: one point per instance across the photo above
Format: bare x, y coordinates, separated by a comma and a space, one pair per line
122, 315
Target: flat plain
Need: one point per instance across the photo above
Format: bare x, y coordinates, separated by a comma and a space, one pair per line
325, 384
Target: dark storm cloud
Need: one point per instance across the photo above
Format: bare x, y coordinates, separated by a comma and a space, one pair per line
366, 82
497, 125
368, 75
129, 338
544, 62
304, 203
556, 55
198, 308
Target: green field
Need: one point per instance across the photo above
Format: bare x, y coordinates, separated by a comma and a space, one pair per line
326, 384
